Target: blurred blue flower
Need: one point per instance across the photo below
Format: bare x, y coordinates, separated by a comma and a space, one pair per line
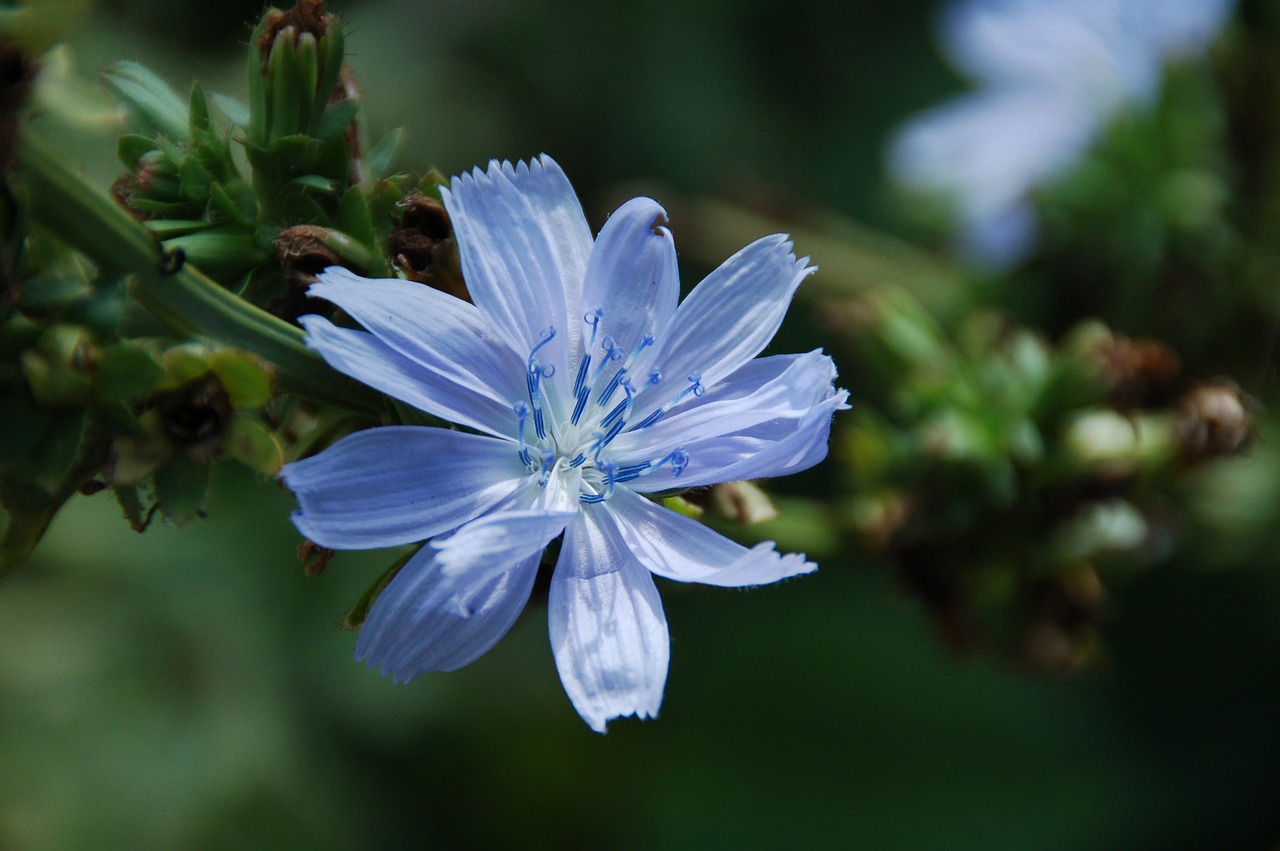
583, 388
1050, 75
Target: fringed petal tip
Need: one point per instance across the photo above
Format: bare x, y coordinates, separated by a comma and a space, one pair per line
600, 724
335, 276
483, 177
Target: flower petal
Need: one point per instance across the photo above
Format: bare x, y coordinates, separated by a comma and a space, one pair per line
680, 548
367, 359
727, 319
632, 278
483, 546
775, 447
395, 485
783, 386
447, 335
608, 632
524, 245
420, 624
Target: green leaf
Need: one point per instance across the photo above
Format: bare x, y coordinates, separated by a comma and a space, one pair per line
354, 217
360, 610
181, 487
156, 104
220, 254
186, 301
336, 117
195, 179
309, 101
169, 228
59, 447
221, 201
284, 87
124, 371
252, 444
383, 153
44, 292
131, 504
311, 181
332, 49
236, 112
198, 110
182, 365
243, 376
132, 147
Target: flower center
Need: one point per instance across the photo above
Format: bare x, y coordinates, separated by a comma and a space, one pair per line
603, 397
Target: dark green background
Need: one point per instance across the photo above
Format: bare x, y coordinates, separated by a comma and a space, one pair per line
190, 689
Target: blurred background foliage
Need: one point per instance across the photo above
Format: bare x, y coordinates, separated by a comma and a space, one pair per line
1040, 477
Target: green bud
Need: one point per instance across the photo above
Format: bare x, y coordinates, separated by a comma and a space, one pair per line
252, 444
57, 368
245, 378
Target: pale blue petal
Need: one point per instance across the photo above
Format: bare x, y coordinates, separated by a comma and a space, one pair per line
778, 387
632, 278
1179, 27
490, 543
776, 447
367, 359
383, 487
726, 321
1081, 46
986, 153
608, 631
989, 149
448, 336
680, 548
524, 246
420, 624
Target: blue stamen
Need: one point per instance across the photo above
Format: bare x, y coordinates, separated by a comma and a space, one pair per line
632, 471
619, 414
547, 336
522, 411
607, 393
580, 405
593, 319
611, 353
609, 479
695, 388
645, 342
548, 462
650, 420
533, 378
580, 381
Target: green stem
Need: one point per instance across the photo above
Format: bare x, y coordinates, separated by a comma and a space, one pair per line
185, 300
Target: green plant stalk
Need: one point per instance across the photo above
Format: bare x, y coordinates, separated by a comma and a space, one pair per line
186, 301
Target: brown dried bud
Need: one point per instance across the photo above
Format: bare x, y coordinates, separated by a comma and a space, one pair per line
316, 557
1134, 369
423, 247
195, 414
1215, 419
303, 254
1062, 635
307, 16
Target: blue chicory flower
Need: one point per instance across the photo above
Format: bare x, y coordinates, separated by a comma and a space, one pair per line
1050, 74
582, 387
